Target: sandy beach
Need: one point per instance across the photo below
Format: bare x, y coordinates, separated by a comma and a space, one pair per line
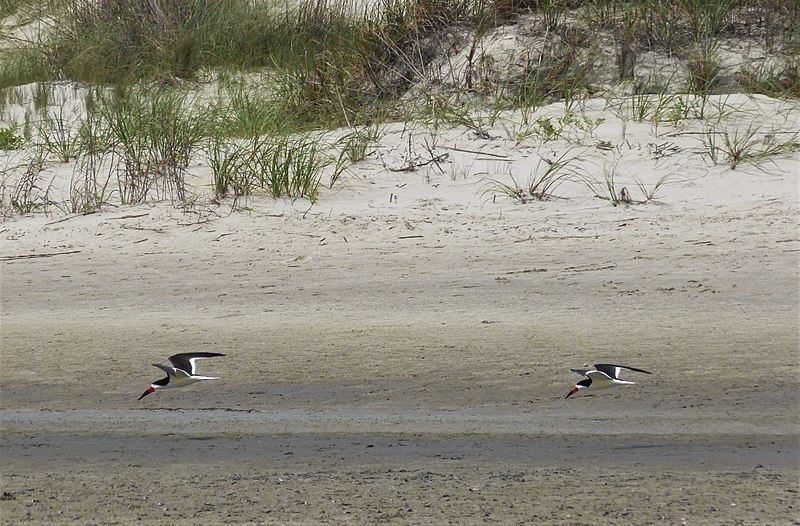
399, 352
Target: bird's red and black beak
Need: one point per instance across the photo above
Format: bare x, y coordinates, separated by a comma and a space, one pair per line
572, 392
149, 390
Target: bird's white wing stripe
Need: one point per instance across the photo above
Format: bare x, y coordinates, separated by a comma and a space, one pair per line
194, 365
193, 361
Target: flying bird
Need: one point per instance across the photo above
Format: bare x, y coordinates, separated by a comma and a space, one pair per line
603, 376
183, 371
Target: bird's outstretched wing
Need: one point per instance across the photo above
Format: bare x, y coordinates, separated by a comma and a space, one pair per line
186, 361
581, 372
599, 377
613, 370
169, 370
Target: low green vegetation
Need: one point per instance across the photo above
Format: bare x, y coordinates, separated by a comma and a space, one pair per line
249, 87
338, 61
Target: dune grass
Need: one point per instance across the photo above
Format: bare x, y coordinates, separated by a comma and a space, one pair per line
281, 71
345, 52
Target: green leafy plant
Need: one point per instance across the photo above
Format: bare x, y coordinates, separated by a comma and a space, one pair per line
547, 130
9, 140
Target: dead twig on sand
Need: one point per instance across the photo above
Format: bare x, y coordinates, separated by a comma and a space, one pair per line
43, 255
72, 217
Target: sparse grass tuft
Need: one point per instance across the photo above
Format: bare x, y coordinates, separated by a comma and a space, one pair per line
59, 134
355, 145
609, 189
541, 183
752, 145
26, 195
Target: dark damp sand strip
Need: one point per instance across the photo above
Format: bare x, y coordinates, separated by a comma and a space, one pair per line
374, 437
738, 452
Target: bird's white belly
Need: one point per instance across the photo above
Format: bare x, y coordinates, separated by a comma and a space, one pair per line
182, 381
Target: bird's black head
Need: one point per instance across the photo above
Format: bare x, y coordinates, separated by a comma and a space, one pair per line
155, 385
583, 384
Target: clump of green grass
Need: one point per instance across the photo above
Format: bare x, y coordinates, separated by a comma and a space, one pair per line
97, 163
246, 112
281, 165
292, 166
643, 106
355, 144
773, 80
441, 110
153, 136
229, 160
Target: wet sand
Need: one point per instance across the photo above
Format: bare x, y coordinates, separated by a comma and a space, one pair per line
186, 475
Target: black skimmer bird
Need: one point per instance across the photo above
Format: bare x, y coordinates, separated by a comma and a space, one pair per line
183, 371
603, 376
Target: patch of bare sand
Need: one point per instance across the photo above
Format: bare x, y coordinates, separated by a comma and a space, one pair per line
437, 327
